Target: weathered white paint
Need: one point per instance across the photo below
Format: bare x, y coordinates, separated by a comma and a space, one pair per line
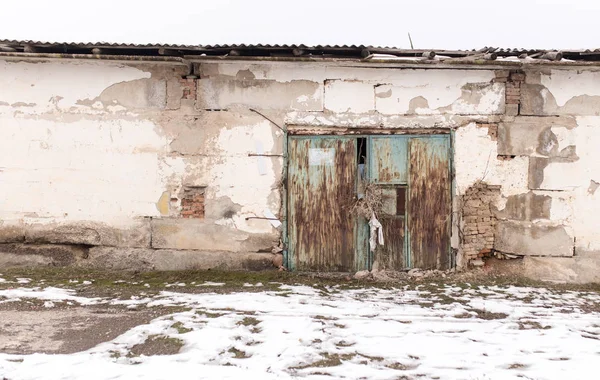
59, 165
347, 96
587, 206
455, 97
93, 141
303, 95
56, 86
567, 84
475, 159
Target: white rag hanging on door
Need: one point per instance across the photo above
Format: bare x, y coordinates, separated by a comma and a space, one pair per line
376, 233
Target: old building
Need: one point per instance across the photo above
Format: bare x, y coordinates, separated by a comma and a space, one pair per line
173, 157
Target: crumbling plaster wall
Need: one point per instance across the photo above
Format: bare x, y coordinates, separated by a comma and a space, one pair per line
126, 140
99, 154
320, 98
526, 136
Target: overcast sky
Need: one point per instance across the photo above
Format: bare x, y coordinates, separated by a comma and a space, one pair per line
441, 24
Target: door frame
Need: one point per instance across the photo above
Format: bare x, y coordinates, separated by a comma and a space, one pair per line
291, 132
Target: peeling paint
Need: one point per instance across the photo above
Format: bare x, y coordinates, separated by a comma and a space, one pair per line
97, 142
163, 203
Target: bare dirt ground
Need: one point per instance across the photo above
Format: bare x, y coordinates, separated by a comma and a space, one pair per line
27, 328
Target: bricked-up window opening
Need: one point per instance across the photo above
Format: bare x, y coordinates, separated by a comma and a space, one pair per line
188, 88
192, 202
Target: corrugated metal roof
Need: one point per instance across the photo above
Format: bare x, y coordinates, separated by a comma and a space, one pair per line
280, 50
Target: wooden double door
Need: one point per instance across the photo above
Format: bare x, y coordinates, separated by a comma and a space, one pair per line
326, 176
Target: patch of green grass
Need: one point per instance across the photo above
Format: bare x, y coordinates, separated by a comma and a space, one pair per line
372, 358
324, 318
248, 321
238, 354
115, 354
463, 316
208, 314
157, 345
124, 284
181, 329
488, 315
397, 366
532, 325
517, 366
328, 360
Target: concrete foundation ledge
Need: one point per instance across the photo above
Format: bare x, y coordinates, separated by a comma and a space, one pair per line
583, 268
84, 232
138, 259
36, 255
580, 269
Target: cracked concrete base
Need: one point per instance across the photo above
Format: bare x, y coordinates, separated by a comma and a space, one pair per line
138, 259
583, 268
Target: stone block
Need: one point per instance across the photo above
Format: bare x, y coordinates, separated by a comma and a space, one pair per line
349, 96
470, 99
525, 136
107, 258
223, 93
89, 233
140, 93
12, 233
205, 235
552, 174
582, 268
565, 99
174, 94
28, 255
526, 207
533, 239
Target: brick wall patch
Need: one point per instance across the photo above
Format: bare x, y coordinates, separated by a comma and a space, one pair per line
479, 221
192, 202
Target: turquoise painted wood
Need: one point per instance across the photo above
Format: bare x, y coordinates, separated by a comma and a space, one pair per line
388, 159
324, 181
429, 202
388, 168
322, 174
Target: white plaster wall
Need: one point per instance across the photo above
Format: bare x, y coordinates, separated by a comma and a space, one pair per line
586, 206
38, 88
349, 96
250, 181
387, 90
567, 84
475, 159
59, 161
69, 156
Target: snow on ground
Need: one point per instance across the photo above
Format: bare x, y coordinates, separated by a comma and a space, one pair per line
434, 332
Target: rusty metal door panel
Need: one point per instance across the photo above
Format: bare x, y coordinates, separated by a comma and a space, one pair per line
391, 256
321, 188
388, 159
429, 202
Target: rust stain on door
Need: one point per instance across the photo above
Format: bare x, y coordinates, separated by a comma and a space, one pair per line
429, 203
388, 159
391, 255
321, 189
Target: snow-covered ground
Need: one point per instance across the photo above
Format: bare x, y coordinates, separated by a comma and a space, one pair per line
432, 332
